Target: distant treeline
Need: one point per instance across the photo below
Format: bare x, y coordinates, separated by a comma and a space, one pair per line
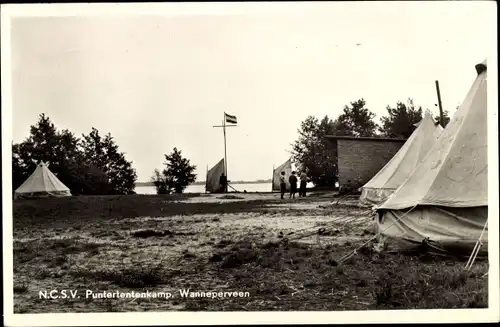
203, 182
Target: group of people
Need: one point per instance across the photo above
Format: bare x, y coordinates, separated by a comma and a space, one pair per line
293, 180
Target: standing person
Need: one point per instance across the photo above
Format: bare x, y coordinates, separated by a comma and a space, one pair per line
303, 184
223, 182
283, 184
293, 184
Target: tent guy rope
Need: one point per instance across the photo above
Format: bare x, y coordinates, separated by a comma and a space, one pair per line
354, 252
475, 251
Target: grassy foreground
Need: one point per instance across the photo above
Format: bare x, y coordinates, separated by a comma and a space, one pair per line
244, 243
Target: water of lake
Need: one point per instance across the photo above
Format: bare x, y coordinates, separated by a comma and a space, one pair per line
253, 187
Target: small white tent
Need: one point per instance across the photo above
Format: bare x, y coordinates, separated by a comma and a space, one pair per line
397, 170
445, 199
42, 183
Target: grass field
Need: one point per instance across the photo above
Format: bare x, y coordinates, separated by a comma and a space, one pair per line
242, 242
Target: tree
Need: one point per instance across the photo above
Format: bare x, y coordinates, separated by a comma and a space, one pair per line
400, 122
88, 179
73, 161
356, 120
19, 172
45, 143
163, 183
313, 153
108, 166
176, 176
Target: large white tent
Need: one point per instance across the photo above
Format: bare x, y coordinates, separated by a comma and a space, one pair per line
397, 170
445, 199
42, 183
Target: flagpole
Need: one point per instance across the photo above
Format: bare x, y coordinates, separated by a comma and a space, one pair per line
225, 151
225, 144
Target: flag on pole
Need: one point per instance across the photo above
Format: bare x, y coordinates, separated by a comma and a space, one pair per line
230, 119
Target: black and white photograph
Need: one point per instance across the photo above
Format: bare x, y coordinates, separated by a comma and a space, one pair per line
249, 163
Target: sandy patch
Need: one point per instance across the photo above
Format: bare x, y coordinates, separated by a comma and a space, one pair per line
238, 197
230, 197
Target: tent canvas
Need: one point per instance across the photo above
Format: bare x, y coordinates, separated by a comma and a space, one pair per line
213, 178
42, 183
287, 168
445, 199
395, 172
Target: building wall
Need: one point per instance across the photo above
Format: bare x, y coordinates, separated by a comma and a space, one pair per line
360, 160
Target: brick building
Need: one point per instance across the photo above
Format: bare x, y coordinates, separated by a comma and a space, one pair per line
360, 158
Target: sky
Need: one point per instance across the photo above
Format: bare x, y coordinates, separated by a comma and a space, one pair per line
159, 81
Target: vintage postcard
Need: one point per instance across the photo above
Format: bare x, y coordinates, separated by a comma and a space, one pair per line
250, 163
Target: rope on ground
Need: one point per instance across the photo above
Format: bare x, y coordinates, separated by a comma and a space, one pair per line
368, 212
314, 227
303, 236
232, 187
345, 195
354, 252
349, 220
304, 229
475, 251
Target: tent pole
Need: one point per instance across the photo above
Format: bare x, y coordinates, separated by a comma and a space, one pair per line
225, 151
441, 115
